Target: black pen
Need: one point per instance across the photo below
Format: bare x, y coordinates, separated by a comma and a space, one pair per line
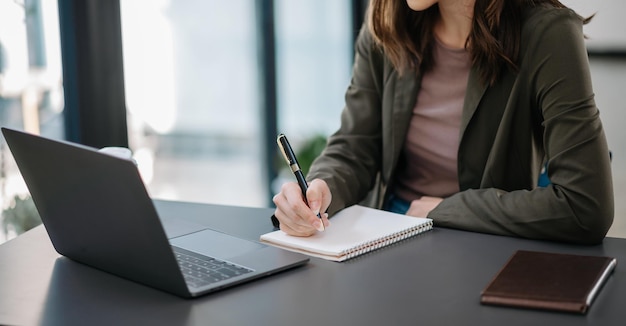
290, 157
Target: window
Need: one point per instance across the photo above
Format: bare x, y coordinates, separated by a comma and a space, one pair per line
314, 58
31, 92
191, 73
191, 89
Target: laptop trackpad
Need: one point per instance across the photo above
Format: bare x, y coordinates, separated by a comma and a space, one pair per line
216, 244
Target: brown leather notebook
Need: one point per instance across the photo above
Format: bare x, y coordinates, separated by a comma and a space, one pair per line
552, 281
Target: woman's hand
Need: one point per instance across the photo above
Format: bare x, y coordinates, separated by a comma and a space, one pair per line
422, 206
295, 217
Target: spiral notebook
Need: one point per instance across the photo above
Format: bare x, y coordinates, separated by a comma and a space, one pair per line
354, 231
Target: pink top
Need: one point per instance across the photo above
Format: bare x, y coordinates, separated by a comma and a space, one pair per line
430, 150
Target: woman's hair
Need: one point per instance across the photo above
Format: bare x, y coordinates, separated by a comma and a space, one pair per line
407, 36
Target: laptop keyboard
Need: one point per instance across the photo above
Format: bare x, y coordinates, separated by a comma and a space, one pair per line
200, 270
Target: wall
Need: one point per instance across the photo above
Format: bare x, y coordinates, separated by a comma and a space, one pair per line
606, 30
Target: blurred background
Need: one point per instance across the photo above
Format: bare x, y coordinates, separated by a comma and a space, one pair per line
198, 89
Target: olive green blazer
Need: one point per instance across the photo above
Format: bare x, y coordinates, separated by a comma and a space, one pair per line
544, 111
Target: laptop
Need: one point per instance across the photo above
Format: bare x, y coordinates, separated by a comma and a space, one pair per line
97, 211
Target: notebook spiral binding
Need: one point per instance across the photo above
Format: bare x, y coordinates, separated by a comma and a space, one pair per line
386, 240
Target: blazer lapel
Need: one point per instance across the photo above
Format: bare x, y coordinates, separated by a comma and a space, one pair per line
404, 99
474, 93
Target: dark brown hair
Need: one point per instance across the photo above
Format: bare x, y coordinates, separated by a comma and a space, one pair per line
406, 35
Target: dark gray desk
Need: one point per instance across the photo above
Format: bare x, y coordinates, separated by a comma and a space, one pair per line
432, 279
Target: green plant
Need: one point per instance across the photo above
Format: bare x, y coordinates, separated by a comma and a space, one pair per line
20, 216
310, 151
306, 153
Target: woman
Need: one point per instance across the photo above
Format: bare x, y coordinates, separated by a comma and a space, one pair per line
453, 109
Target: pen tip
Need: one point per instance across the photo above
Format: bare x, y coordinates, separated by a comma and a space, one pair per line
319, 225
